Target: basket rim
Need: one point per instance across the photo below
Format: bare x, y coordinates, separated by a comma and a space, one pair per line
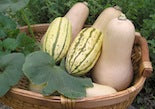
87, 102
91, 101
104, 97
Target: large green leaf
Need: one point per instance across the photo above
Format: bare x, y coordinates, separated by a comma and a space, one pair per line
2, 53
13, 5
10, 71
39, 68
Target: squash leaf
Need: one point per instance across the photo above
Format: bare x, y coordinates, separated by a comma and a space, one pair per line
10, 71
2, 34
10, 44
39, 68
1, 44
26, 44
7, 27
13, 5
12, 40
62, 64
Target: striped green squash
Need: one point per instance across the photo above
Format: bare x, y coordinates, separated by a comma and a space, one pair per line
84, 51
57, 38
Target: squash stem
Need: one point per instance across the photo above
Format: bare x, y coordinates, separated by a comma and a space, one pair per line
122, 17
118, 8
85, 3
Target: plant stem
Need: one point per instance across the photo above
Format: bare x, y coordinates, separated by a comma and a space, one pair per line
25, 18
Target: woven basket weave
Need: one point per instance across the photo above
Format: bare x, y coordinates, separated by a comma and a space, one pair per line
20, 97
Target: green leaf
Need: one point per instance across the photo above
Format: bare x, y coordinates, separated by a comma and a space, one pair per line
13, 5
10, 71
2, 34
142, 107
1, 45
10, 44
7, 27
2, 53
62, 64
26, 44
6, 22
39, 69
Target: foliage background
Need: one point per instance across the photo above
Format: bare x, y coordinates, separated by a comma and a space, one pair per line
140, 12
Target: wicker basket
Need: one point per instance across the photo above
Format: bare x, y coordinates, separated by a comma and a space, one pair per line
21, 98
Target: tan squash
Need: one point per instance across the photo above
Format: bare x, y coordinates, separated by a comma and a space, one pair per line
96, 90
114, 67
86, 47
77, 15
106, 16
99, 90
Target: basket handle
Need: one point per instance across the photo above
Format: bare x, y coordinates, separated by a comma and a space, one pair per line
145, 66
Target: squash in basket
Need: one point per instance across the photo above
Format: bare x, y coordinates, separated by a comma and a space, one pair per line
86, 48
106, 16
99, 90
77, 15
57, 38
84, 51
114, 67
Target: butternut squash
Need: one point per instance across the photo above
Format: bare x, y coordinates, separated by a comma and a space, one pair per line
114, 67
99, 90
106, 16
77, 15
96, 90
86, 47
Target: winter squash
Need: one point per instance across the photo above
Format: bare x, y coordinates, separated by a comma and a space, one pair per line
114, 67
